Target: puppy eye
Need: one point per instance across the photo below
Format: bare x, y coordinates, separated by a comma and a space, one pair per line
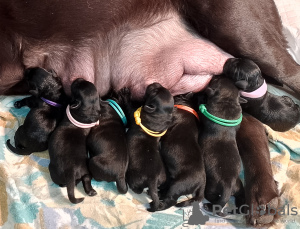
149, 108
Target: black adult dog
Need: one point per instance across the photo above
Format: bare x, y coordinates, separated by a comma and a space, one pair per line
252, 143
107, 143
145, 167
183, 156
47, 105
278, 112
67, 145
217, 139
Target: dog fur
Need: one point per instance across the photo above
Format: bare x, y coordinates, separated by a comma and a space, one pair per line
183, 157
278, 112
107, 145
42, 118
146, 167
261, 191
67, 145
221, 156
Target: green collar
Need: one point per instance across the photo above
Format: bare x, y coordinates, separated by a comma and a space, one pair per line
223, 122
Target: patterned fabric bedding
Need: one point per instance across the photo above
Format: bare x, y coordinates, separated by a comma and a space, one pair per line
29, 199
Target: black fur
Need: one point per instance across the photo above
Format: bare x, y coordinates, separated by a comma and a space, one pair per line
278, 112
183, 157
108, 147
67, 145
221, 156
145, 167
42, 119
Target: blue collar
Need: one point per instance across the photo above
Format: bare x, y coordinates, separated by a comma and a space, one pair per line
119, 110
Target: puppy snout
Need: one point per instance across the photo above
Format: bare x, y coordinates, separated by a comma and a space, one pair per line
27, 72
288, 101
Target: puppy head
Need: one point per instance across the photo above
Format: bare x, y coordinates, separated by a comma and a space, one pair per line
43, 83
85, 105
222, 98
245, 73
222, 89
278, 112
158, 100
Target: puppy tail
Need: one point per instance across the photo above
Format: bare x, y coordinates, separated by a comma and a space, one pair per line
70, 188
121, 185
17, 150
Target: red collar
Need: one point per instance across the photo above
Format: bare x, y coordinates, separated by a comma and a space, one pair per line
186, 108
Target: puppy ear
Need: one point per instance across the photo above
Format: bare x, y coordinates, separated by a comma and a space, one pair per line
75, 104
149, 108
242, 100
241, 84
34, 92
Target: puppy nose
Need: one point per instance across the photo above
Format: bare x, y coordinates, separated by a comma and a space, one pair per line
288, 101
27, 72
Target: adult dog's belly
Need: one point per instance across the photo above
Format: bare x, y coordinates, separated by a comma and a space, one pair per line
162, 50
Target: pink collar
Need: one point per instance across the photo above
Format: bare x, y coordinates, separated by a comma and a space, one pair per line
79, 124
259, 92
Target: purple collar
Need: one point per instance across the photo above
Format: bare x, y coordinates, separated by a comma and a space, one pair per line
51, 103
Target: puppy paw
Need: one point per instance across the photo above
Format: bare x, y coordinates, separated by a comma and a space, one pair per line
154, 207
263, 203
264, 213
92, 192
18, 104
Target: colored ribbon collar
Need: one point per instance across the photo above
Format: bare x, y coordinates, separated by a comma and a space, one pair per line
186, 108
51, 103
118, 109
138, 121
79, 124
220, 121
259, 92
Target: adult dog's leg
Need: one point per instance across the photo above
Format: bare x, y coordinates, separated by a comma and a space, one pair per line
250, 29
260, 188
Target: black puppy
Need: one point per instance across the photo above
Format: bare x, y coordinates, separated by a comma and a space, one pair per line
67, 144
47, 109
107, 143
278, 112
183, 156
145, 167
221, 117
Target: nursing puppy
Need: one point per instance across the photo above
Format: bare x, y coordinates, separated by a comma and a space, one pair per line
107, 144
145, 167
183, 156
253, 147
217, 139
47, 108
67, 145
278, 112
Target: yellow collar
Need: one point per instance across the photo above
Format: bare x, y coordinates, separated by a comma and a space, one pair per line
138, 121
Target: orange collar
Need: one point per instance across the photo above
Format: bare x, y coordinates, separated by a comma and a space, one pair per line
186, 108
